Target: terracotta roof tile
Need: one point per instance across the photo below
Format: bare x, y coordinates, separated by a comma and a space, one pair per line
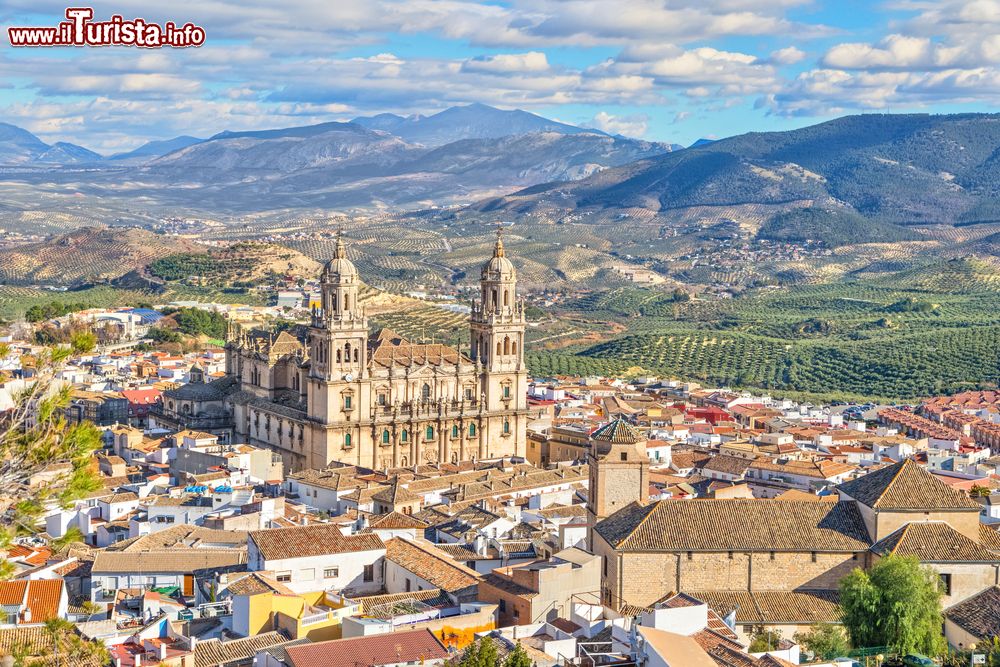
736, 524
905, 485
392, 648
933, 542
978, 615
430, 564
315, 540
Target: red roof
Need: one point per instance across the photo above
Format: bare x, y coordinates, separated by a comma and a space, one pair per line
142, 396
388, 649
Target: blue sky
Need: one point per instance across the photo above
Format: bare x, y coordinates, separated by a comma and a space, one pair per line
668, 70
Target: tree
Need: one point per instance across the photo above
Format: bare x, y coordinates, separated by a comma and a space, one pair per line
824, 641
979, 491
518, 658
764, 640
481, 653
43, 459
896, 604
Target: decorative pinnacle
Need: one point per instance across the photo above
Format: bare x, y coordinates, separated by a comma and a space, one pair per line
341, 251
499, 251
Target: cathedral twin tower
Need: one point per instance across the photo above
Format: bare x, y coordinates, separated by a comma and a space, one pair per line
377, 400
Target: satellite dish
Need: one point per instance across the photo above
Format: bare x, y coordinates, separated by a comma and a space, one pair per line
348, 377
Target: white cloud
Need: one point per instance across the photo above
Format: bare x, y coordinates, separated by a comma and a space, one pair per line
630, 126
502, 63
787, 56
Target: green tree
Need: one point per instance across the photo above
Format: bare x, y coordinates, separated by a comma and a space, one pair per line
518, 658
824, 641
764, 640
481, 653
896, 604
43, 459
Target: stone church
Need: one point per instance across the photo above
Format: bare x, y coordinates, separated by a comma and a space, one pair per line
341, 393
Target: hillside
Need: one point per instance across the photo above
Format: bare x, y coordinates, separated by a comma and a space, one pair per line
898, 169
89, 254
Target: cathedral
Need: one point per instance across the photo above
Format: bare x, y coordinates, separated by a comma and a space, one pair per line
341, 393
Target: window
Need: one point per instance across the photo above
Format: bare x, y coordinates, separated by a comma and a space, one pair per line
502, 605
730, 555
454, 431
425, 391
308, 573
409, 585
331, 573
369, 573
381, 398
283, 577
385, 437
814, 556
946, 583
468, 393
624, 456
404, 436
506, 391
772, 555
472, 430
506, 426
347, 440
430, 433
347, 402
690, 555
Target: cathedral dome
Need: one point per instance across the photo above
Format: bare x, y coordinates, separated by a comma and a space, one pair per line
498, 264
340, 267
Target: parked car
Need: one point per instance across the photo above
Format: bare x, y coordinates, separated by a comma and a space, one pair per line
917, 660
845, 662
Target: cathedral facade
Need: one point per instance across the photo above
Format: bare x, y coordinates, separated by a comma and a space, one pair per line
345, 394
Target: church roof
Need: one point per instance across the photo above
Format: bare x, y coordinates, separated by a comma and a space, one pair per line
736, 525
618, 432
216, 390
933, 542
387, 349
906, 486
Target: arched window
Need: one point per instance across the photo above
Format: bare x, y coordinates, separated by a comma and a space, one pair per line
334, 304
347, 302
494, 298
403, 461
454, 431
403, 437
356, 353
430, 433
506, 426
472, 430
347, 351
506, 344
425, 391
499, 348
347, 440
506, 299
385, 437
338, 357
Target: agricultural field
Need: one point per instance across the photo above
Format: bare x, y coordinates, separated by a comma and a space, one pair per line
898, 339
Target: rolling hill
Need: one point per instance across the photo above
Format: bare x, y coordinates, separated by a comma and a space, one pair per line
89, 254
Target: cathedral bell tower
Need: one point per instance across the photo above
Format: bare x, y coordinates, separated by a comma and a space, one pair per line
338, 345
497, 324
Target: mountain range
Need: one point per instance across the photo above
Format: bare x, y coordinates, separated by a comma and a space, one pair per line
452, 157
894, 170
